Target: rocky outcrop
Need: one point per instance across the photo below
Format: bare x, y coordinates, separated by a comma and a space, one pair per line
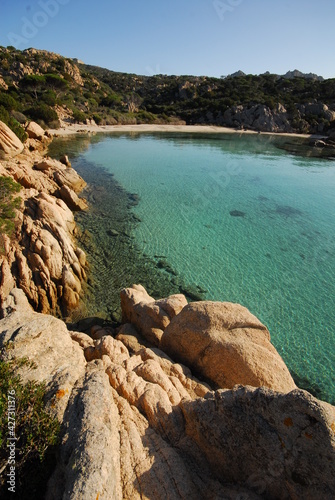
10, 144
277, 445
136, 424
227, 344
89, 464
39, 62
258, 117
34, 131
51, 270
71, 199
44, 260
150, 316
3, 84
317, 109
44, 340
223, 342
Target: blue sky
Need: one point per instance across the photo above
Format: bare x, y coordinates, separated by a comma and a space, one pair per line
199, 37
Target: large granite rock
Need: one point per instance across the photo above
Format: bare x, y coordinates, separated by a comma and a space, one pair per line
72, 199
50, 260
258, 117
226, 344
89, 462
10, 144
280, 446
45, 340
35, 131
148, 315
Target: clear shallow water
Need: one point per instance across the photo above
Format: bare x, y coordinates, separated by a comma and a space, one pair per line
248, 223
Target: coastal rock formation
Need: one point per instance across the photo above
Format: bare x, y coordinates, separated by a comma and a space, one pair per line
3, 84
258, 117
43, 260
150, 316
10, 144
223, 342
139, 425
267, 441
49, 258
71, 199
227, 344
317, 109
34, 131
45, 340
89, 465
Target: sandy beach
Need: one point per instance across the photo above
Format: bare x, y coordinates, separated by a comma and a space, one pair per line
70, 129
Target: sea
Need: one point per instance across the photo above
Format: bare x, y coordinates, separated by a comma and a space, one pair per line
244, 218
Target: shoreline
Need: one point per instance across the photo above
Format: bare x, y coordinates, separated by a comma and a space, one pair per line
72, 129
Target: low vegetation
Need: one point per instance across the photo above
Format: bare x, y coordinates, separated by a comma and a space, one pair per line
9, 202
25, 421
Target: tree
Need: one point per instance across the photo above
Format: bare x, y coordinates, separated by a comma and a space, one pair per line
56, 83
33, 83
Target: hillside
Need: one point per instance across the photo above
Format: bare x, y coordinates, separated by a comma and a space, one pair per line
46, 87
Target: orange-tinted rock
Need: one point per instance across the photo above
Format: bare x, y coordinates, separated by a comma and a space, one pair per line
227, 345
10, 144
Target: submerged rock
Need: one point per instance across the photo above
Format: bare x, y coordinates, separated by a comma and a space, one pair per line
288, 211
237, 213
112, 232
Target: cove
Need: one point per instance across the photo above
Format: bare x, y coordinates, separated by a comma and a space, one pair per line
240, 218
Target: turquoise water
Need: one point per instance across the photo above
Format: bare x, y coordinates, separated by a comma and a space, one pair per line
248, 223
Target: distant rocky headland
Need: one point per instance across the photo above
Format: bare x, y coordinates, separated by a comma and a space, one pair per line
179, 400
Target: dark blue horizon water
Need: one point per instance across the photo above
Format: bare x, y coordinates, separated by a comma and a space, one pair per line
246, 221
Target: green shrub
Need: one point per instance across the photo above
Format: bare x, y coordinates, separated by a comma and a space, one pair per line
146, 117
97, 119
36, 431
33, 84
8, 102
79, 116
49, 97
42, 112
8, 203
13, 124
55, 124
19, 117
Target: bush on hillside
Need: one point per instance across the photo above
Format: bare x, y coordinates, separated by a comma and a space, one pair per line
19, 117
42, 112
79, 116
